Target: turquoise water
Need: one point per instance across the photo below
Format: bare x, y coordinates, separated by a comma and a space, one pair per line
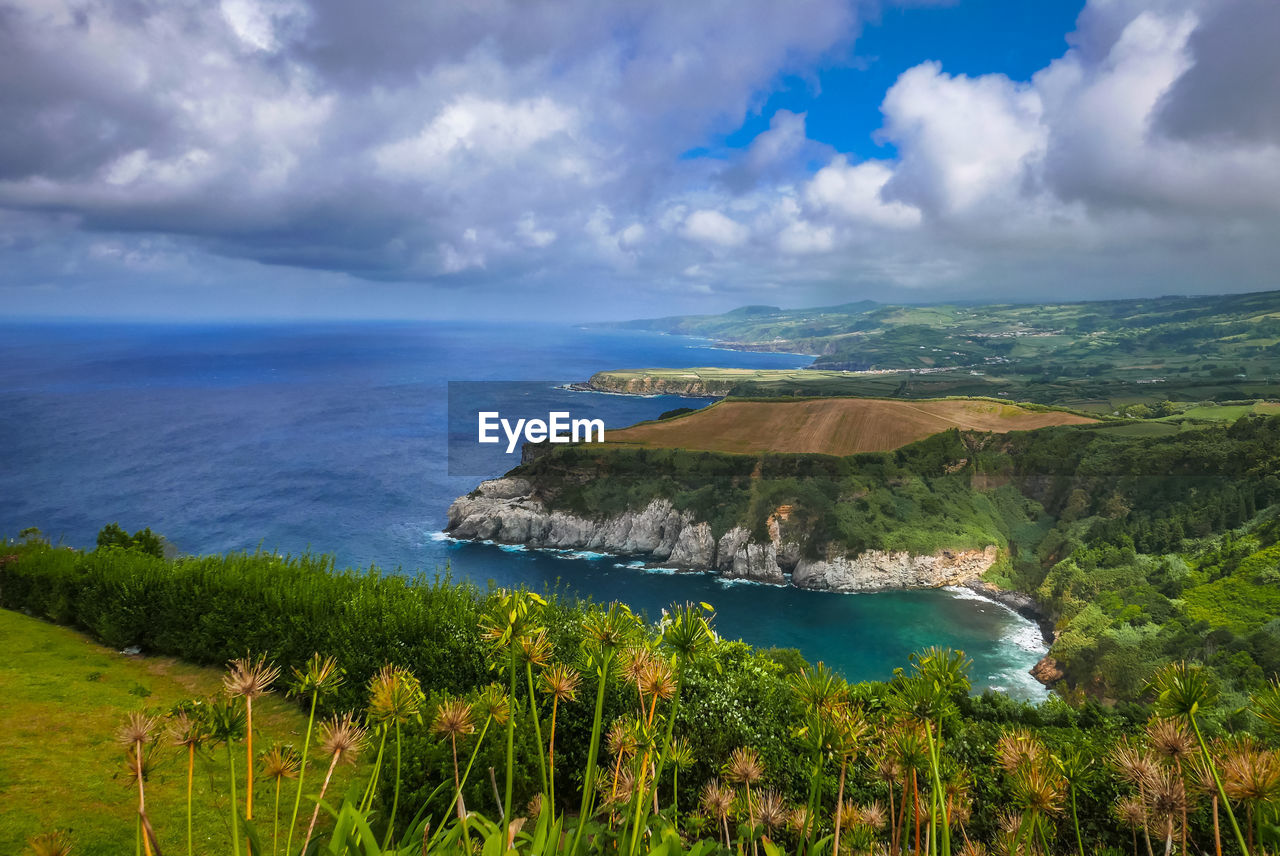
334, 438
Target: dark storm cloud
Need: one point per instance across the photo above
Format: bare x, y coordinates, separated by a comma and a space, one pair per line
1233, 89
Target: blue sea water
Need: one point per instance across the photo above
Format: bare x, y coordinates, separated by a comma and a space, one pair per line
334, 437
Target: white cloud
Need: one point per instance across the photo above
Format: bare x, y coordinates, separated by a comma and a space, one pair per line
494, 131
855, 192
964, 141
715, 229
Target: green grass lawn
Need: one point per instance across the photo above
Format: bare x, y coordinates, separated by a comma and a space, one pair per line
62, 699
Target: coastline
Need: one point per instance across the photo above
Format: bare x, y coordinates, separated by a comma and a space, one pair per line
1019, 602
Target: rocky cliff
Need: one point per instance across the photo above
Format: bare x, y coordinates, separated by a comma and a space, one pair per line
507, 511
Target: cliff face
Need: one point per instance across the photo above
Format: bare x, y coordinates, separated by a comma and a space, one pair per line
692, 386
506, 511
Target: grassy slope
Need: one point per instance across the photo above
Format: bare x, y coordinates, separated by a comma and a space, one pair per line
840, 426
64, 697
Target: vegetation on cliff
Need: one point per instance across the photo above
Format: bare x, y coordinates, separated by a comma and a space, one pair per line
1143, 549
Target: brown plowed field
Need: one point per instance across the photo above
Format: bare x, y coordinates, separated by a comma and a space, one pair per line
832, 426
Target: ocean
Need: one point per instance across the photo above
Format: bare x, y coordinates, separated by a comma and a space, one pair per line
334, 438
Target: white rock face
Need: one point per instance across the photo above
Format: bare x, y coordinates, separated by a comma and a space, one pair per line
875, 569
505, 510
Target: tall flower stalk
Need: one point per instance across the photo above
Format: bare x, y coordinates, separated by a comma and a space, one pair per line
278, 763
395, 699
510, 619
561, 683
342, 740
321, 677
1182, 691
135, 735
249, 679
227, 722
188, 732
605, 634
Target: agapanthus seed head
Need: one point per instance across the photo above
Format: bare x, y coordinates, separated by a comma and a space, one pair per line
187, 730
717, 799
1018, 748
138, 730
744, 766
395, 696
343, 738
771, 810
1171, 740
280, 762
492, 703
454, 718
250, 678
561, 682
321, 676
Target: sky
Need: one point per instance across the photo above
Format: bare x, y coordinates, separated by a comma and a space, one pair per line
579, 160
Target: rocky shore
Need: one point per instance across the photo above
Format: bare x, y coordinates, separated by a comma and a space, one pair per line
508, 511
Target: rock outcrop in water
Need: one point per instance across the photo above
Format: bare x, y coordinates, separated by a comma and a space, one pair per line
507, 511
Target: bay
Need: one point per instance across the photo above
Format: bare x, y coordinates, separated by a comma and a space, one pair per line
334, 438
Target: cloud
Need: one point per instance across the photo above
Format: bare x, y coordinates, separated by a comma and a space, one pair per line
856, 192
460, 151
715, 229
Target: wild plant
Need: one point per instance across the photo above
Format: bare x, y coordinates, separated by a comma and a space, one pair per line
249, 679
320, 677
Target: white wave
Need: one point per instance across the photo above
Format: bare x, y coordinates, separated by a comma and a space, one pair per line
729, 583
443, 536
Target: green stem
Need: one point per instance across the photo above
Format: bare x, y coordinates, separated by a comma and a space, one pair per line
589, 775
511, 745
191, 771
275, 822
367, 800
395, 800
935, 762
235, 811
302, 771
1222, 794
551, 757
537, 728
1075, 820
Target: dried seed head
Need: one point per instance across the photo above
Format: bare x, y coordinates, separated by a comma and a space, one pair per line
1251, 774
771, 810
743, 766
561, 682
873, 816
138, 730
656, 679
1171, 740
454, 719
343, 738
249, 678
279, 762
716, 799
1018, 748
1133, 762
187, 731
1166, 796
1130, 812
